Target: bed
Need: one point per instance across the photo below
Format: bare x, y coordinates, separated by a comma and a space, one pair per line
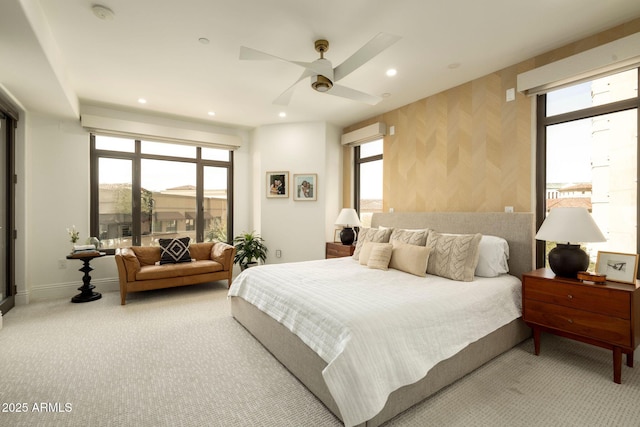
318, 366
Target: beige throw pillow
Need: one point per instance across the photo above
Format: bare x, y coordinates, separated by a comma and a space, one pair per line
411, 259
365, 252
453, 256
410, 237
371, 235
380, 255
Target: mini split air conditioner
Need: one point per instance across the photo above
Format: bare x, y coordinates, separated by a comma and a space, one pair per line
365, 134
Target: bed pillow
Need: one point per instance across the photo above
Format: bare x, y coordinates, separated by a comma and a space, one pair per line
493, 257
453, 256
371, 235
365, 252
174, 250
380, 255
410, 237
411, 259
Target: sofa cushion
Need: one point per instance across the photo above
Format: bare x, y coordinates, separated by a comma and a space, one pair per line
147, 255
166, 271
200, 251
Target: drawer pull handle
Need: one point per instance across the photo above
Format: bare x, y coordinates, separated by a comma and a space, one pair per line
570, 296
570, 320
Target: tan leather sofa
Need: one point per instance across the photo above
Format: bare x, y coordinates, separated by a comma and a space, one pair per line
137, 269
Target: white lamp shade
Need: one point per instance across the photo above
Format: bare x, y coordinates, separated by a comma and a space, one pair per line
348, 217
570, 225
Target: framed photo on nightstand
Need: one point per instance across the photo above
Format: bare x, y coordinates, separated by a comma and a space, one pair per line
617, 266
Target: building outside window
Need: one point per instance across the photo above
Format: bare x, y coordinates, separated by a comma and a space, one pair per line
368, 180
143, 191
588, 145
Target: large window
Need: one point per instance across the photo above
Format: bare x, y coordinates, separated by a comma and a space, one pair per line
588, 157
368, 180
142, 191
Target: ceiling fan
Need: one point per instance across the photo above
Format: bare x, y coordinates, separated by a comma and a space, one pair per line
322, 75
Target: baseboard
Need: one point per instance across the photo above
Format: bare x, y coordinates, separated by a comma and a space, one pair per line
0, 320
68, 290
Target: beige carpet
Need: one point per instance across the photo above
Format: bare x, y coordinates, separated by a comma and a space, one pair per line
177, 358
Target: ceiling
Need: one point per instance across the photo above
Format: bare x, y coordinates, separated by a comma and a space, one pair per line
56, 54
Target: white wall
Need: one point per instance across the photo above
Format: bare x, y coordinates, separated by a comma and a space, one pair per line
297, 228
52, 163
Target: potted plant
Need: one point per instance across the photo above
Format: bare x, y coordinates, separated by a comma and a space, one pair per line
250, 248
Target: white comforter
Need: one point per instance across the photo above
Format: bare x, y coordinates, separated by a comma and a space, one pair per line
377, 330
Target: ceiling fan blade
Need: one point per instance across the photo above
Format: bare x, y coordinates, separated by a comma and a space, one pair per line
353, 94
285, 97
247, 53
364, 54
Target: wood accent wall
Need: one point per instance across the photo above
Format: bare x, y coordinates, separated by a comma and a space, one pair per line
467, 149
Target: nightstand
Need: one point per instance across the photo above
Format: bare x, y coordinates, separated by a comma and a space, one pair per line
338, 250
606, 315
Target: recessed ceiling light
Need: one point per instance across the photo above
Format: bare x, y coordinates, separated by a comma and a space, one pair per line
211, 113
203, 40
392, 72
142, 101
282, 114
102, 12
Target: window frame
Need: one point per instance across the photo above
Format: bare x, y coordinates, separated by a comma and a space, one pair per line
357, 162
136, 158
543, 121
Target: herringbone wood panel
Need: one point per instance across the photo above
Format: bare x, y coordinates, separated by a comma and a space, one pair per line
467, 149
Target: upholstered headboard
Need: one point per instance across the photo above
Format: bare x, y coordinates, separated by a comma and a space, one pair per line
516, 228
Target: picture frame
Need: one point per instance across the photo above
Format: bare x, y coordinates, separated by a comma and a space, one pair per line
305, 187
278, 185
336, 235
618, 267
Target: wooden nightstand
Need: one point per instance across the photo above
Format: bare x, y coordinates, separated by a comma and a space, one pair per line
606, 315
338, 250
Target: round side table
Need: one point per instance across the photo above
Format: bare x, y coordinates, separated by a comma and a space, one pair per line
86, 290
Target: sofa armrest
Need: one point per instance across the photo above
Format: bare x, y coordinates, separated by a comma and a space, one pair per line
224, 254
128, 264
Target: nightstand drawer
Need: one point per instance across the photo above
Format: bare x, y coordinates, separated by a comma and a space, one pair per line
591, 298
604, 328
337, 250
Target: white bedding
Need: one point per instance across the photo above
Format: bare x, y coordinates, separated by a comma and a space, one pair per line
377, 330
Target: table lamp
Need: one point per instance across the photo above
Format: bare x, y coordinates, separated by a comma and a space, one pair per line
568, 227
348, 218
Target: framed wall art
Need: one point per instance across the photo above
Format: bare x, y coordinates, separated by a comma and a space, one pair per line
617, 266
305, 186
278, 184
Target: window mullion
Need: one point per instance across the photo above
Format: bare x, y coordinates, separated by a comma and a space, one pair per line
136, 195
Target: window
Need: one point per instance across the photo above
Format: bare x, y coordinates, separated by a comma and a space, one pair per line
368, 180
142, 191
588, 156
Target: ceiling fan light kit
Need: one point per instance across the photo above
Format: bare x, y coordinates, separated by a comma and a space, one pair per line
321, 83
321, 72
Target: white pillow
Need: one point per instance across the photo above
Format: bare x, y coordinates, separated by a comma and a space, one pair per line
493, 258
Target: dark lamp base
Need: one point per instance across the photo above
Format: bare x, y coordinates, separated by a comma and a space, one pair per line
566, 260
347, 236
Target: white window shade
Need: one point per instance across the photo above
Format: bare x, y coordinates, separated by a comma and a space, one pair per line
617, 56
365, 134
154, 129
